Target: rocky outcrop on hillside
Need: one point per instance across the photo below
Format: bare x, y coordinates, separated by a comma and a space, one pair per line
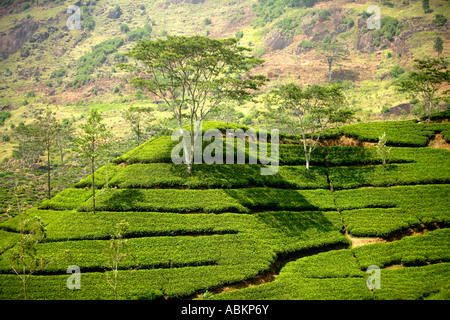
115, 13
12, 40
276, 41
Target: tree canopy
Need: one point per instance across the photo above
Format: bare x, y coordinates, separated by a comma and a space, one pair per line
426, 81
309, 111
193, 75
332, 52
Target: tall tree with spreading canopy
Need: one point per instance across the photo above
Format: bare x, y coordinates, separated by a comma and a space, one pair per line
332, 52
192, 75
46, 128
309, 111
426, 82
137, 117
28, 148
92, 141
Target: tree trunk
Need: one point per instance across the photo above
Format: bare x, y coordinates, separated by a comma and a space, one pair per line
93, 187
48, 171
191, 156
24, 283
138, 134
61, 152
115, 282
307, 158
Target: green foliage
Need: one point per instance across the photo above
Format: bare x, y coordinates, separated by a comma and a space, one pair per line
234, 248
92, 142
396, 71
67, 199
88, 20
399, 133
432, 247
124, 28
329, 275
25, 6
390, 27
213, 200
164, 200
178, 255
382, 150
95, 58
3, 116
309, 111
266, 11
437, 116
215, 69
348, 21
120, 57
422, 282
381, 212
426, 6
220, 176
324, 14
143, 33
287, 24
306, 44
407, 166
332, 52
438, 45
154, 150
429, 76
337, 274
440, 20
59, 72
102, 177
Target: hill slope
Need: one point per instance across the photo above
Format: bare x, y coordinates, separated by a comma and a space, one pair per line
43, 62
40, 54
225, 227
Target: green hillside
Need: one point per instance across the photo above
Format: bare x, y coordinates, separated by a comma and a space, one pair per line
235, 234
43, 62
95, 77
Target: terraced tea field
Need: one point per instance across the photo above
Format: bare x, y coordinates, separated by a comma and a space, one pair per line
232, 232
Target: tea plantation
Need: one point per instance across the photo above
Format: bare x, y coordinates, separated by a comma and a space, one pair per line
225, 226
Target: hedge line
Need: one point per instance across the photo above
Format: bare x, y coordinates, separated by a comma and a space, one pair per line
415, 283
67, 199
165, 175
338, 275
261, 239
432, 247
398, 133
384, 211
427, 166
406, 166
186, 201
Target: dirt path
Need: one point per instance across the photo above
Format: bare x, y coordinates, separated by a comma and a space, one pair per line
272, 273
358, 242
